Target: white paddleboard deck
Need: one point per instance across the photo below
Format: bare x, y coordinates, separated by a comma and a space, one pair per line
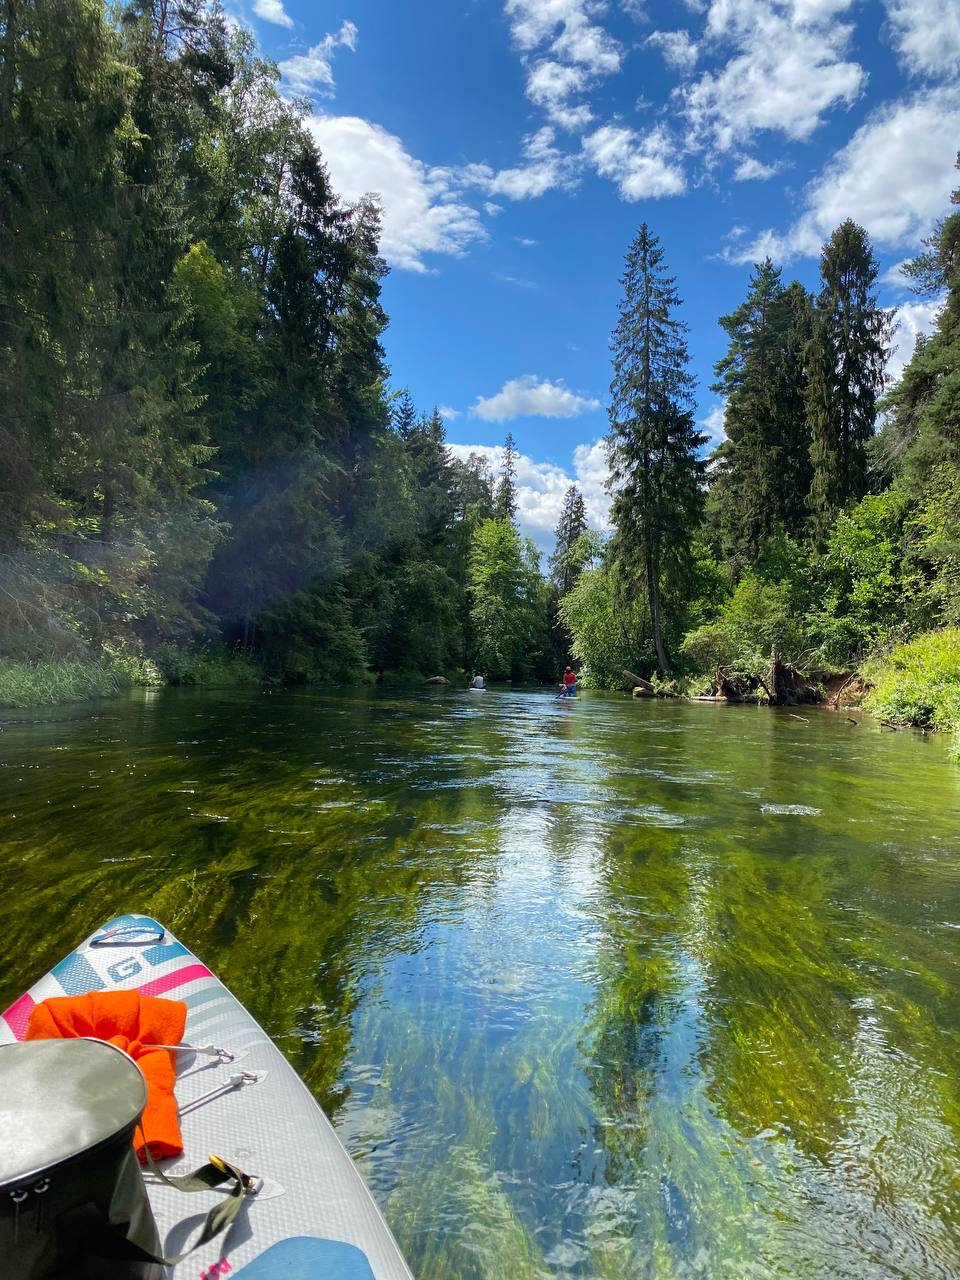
314, 1216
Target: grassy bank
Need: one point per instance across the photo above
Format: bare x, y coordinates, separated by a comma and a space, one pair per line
919, 683
25, 684
31, 684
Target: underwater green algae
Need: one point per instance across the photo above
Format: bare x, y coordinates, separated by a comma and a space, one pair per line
614, 990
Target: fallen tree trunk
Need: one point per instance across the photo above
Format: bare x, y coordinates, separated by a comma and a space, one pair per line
638, 682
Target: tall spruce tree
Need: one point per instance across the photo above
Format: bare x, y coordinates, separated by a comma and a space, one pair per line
404, 416
506, 497
791, 481
572, 551
765, 464
572, 523
846, 357
745, 378
653, 443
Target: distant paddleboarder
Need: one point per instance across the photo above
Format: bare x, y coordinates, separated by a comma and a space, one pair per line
569, 683
477, 682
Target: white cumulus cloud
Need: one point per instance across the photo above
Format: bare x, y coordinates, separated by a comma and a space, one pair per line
422, 210
894, 275
894, 177
311, 73
642, 165
530, 396
588, 46
447, 413
574, 53
926, 35
545, 168
542, 485
788, 68
913, 319
550, 85
712, 425
750, 168
272, 11
679, 51
591, 469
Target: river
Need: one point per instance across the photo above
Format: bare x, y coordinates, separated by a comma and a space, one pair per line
591, 989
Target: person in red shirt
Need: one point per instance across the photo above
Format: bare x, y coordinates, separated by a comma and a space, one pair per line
570, 683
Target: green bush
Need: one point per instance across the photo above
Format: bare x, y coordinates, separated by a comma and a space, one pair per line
758, 616
867, 597
213, 668
919, 683
606, 633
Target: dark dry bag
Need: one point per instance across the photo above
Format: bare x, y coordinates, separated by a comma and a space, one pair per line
73, 1202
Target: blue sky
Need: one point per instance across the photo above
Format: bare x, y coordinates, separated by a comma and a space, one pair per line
517, 144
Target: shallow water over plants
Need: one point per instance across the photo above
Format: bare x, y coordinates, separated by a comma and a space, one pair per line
599, 989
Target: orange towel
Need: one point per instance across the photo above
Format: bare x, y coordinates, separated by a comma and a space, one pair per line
133, 1023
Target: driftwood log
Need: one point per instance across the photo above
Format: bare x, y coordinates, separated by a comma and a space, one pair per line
638, 682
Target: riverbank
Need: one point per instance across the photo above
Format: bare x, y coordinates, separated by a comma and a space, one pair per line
916, 685
48, 683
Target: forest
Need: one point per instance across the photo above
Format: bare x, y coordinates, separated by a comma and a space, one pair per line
209, 473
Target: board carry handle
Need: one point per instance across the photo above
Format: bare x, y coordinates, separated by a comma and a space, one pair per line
213, 1174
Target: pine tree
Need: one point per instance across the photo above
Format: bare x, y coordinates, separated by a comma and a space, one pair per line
432, 476
404, 416
766, 460
846, 357
572, 523
826, 494
792, 472
745, 379
653, 444
506, 496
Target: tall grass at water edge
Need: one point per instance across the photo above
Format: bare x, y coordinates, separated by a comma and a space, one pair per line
25, 684
918, 683
45, 683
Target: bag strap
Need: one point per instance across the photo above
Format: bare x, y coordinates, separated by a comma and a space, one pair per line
210, 1175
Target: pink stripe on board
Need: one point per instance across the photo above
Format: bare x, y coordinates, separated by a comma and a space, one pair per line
176, 979
18, 1015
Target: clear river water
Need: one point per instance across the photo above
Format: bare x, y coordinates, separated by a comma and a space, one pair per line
597, 989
